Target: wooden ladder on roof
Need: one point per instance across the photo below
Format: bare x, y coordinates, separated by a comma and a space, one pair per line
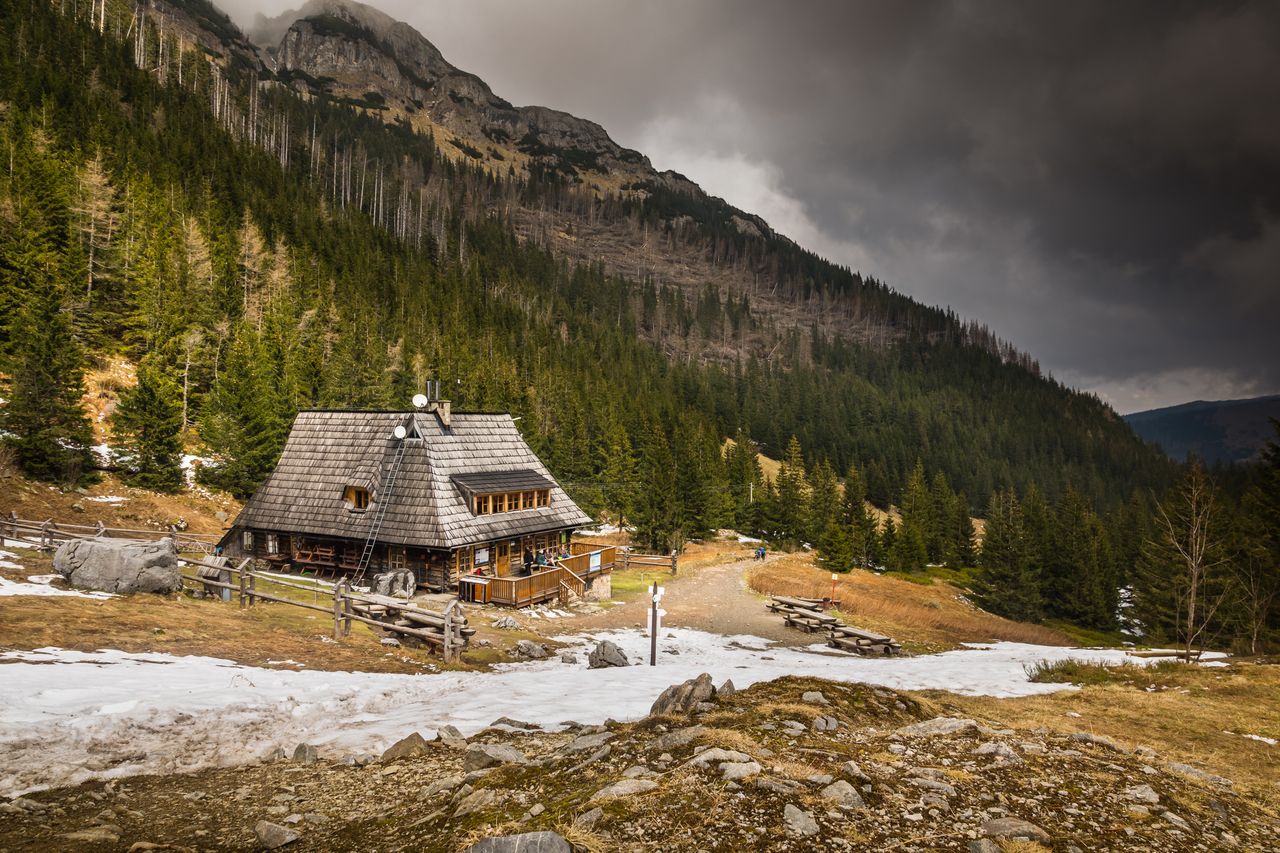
379, 513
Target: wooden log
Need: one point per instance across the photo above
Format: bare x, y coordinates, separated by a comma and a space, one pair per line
337, 611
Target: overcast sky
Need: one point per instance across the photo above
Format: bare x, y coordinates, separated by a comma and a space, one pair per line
1099, 182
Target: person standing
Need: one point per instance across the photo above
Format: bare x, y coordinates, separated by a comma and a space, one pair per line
528, 561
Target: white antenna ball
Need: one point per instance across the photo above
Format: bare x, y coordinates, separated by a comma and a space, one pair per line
419, 401
401, 432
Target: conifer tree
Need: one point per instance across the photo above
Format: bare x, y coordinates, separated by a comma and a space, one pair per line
863, 535
793, 495
51, 434
148, 421
1006, 583
656, 509
618, 470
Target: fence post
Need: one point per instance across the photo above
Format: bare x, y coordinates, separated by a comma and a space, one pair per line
673, 563
337, 611
102, 529
253, 585
45, 536
448, 630
347, 607
13, 523
243, 584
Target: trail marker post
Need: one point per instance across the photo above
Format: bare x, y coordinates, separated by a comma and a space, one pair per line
655, 622
833, 590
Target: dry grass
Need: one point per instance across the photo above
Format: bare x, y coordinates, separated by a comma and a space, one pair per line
181, 625
730, 739
922, 618
1190, 714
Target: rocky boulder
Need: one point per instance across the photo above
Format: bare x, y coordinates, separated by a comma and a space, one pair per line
525, 842
119, 565
482, 755
529, 650
684, 698
410, 746
606, 654
399, 584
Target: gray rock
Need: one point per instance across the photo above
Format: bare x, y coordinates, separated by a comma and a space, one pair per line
939, 726
568, 657
684, 698
727, 689
1176, 821
999, 750
815, 697
410, 746
273, 835
451, 737
675, 738
934, 785
439, 786
525, 842
843, 794
586, 820
592, 741
482, 755
119, 565
399, 583
731, 771
798, 823
606, 654
476, 801
95, 835
1143, 794
1097, 740
529, 650
853, 771
715, 755
1015, 829
390, 642
984, 845
1198, 774
305, 753
624, 788
506, 623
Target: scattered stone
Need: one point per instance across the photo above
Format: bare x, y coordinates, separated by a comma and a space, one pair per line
725, 690
451, 737
273, 835
676, 738
439, 786
999, 750
568, 657
107, 834
1014, 829
476, 801
526, 842
529, 650
1097, 740
843, 795
814, 697
482, 755
410, 746
586, 820
506, 623
1176, 821
606, 654
624, 788
934, 785
984, 845
1143, 794
390, 642
509, 723
305, 753
732, 771
592, 741
683, 698
939, 726
716, 755
853, 771
1198, 774
798, 823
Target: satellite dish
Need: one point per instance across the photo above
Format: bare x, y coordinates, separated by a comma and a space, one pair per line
419, 401
401, 432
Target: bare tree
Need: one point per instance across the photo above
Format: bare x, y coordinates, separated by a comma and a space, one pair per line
1185, 525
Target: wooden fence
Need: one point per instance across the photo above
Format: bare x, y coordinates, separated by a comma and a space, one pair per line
48, 534
445, 630
631, 560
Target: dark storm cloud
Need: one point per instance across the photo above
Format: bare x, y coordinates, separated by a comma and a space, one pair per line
1098, 181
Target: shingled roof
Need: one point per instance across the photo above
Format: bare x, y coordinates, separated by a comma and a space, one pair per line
330, 450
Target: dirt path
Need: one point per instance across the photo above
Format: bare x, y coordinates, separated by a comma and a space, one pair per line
714, 599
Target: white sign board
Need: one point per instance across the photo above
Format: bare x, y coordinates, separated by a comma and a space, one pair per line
593, 564
482, 556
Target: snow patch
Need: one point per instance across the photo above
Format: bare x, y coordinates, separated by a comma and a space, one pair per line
114, 500
14, 588
196, 712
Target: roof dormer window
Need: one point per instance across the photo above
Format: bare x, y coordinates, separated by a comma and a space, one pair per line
357, 498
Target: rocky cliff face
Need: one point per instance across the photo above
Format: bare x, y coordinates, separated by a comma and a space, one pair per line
352, 50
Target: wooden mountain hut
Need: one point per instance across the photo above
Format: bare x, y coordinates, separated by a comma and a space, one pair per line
455, 498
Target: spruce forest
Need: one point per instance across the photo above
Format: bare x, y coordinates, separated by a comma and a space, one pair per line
201, 224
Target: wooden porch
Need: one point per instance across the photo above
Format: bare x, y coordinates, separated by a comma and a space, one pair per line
572, 574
